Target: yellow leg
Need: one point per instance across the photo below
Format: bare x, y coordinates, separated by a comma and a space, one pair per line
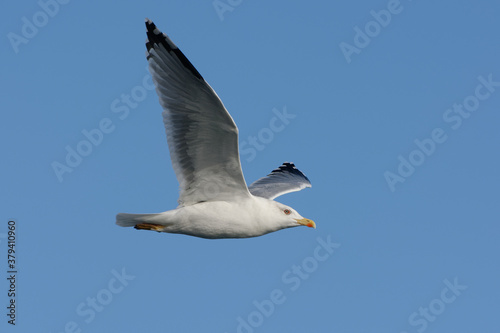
149, 226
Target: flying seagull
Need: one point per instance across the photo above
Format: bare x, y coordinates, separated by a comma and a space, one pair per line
214, 200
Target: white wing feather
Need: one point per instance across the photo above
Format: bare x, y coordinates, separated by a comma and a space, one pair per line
202, 137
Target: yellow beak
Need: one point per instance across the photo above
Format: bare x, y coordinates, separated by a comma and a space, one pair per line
307, 223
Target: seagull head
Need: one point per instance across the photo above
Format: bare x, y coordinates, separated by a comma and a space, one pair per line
291, 218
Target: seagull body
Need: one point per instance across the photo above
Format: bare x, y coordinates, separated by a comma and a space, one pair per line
219, 219
214, 200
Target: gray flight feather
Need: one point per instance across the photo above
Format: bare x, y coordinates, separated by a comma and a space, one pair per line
285, 179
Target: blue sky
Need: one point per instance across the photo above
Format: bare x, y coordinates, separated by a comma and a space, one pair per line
392, 114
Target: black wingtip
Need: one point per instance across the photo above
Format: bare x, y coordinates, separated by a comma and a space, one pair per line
156, 37
291, 168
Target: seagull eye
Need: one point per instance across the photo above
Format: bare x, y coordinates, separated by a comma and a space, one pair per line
287, 211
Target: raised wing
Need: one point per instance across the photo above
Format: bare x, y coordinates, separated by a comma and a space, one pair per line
285, 179
202, 137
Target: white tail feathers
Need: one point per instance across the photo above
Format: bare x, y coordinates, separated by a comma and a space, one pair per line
131, 220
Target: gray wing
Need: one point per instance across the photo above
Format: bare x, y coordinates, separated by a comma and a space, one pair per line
285, 179
202, 137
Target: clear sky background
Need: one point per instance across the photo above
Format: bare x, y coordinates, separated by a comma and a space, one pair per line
414, 249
